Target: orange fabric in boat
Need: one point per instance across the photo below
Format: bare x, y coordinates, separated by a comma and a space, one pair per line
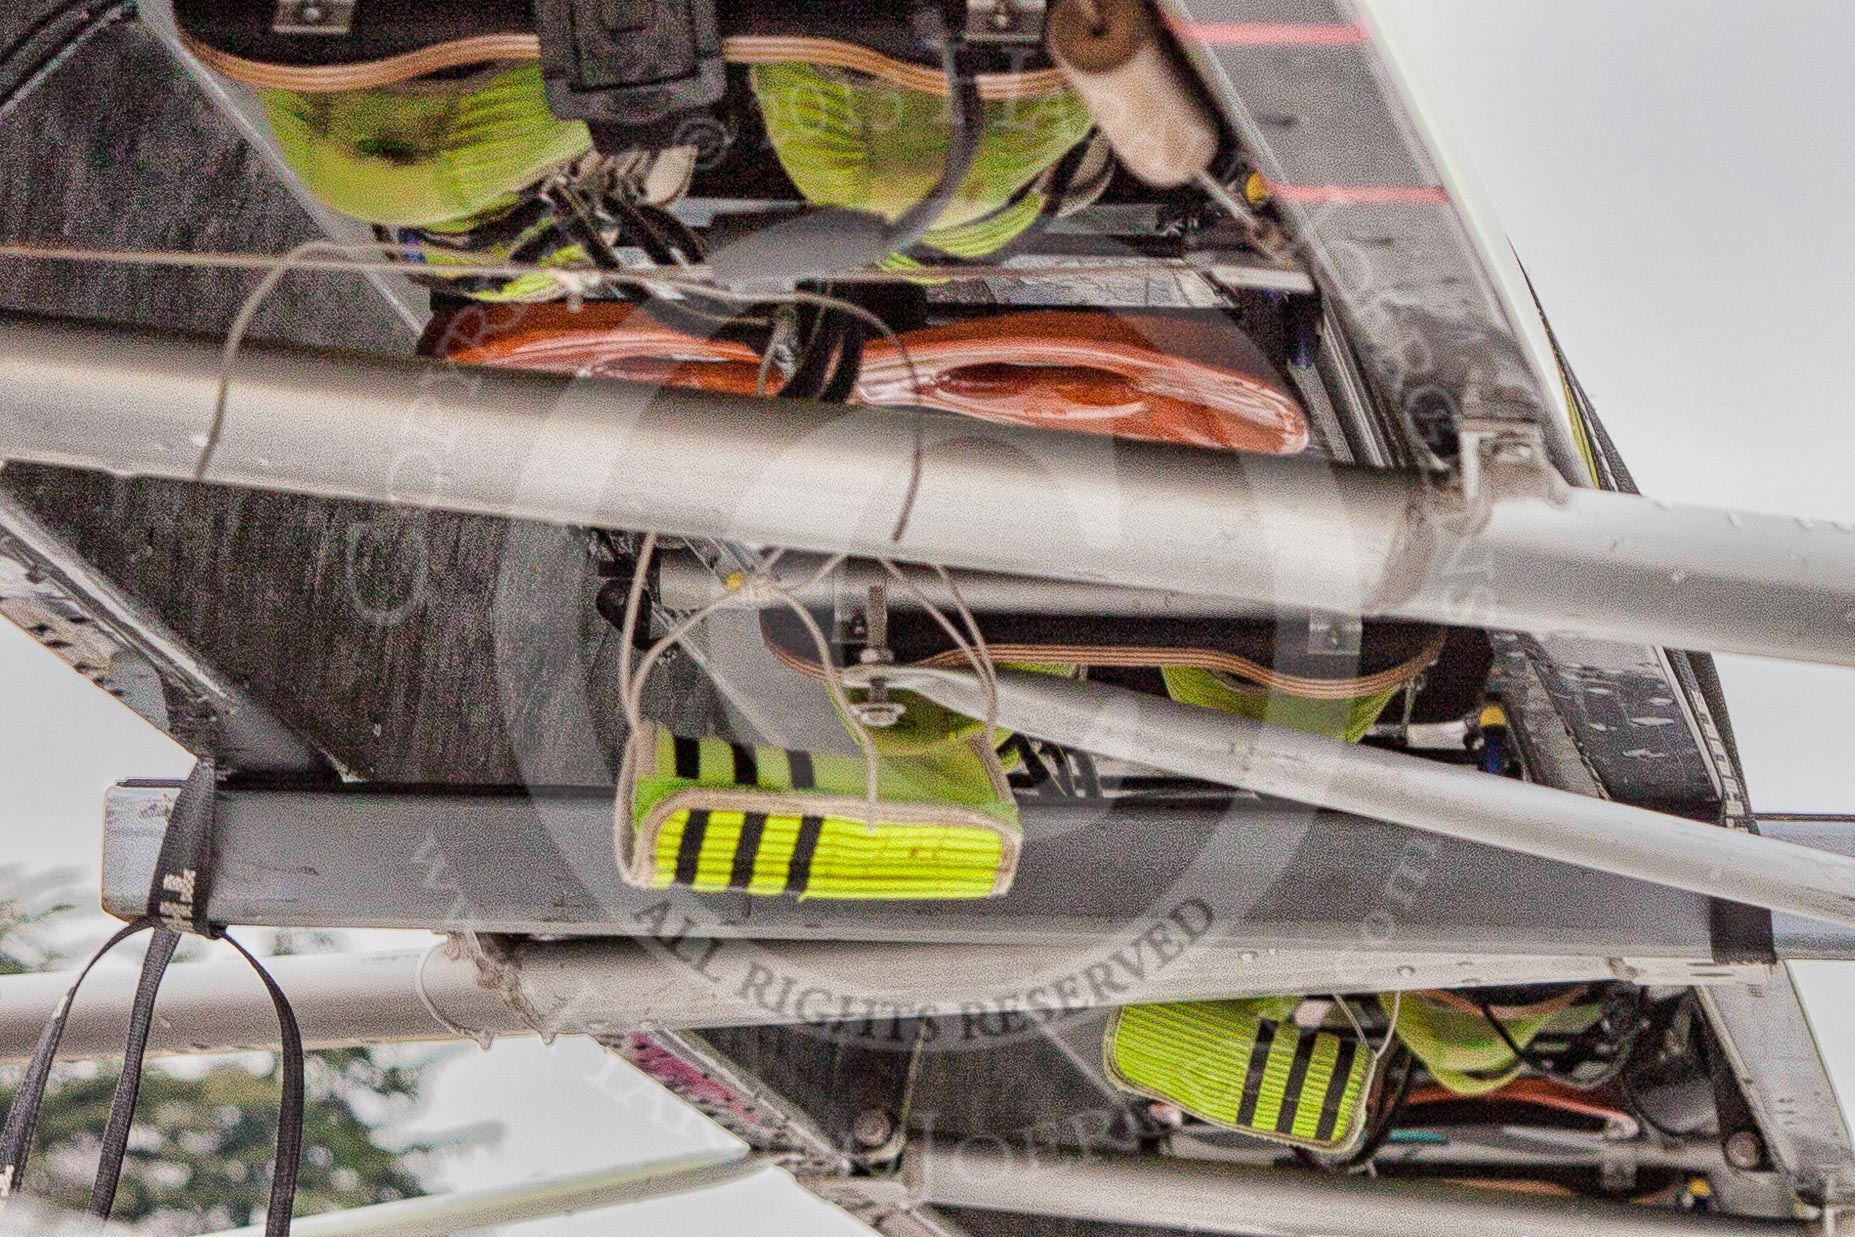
1096, 372
1541, 1091
608, 340
1080, 370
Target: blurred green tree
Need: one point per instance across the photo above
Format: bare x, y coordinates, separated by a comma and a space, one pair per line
200, 1155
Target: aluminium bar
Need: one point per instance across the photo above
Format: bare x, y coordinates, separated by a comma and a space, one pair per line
1245, 1202
1482, 1147
1437, 798
684, 582
24, 1216
1430, 288
1300, 533
1781, 1063
1266, 874
607, 987
1800, 938
440, 1215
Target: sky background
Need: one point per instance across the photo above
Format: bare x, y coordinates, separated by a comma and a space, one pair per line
1677, 177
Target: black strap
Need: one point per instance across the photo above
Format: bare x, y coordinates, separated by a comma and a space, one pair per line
23, 1118
177, 902
129, 1083
1062, 177
1297, 1079
183, 879
802, 776
799, 772
1337, 1083
285, 1163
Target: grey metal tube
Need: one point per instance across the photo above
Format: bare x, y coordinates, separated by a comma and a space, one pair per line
1275, 876
1290, 532
685, 582
608, 987
1219, 1198
439, 1215
1792, 936
1486, 1146
1438, 798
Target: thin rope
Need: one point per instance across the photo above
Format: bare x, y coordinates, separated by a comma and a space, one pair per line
482, 1039
780, 334
235, 338
966, 615
628, 632
976, 651
1391, 1027
687, 278
979, 642
221, 260
759, 583
632, 682
917, 465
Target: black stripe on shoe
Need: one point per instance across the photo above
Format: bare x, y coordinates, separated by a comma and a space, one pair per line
746, 765
1336, 1089
688, 758
689, 849
747, 850
799, 871
1297, 1078
1252, 1078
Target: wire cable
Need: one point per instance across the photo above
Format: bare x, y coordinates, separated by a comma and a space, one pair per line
1621, 1047
966, 125
235, 338
632, 682
1633, 1101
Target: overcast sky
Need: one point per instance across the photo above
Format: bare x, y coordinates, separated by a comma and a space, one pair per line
1676, 175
